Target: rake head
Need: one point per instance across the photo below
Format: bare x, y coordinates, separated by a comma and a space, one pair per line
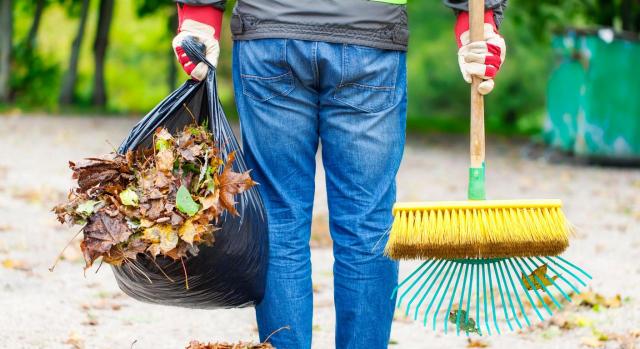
481, 295
478, 229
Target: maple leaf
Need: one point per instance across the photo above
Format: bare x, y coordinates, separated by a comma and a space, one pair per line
164, 160
168, 239
187, 232
101, 233
541, 273
160, 200
467, 324
231, 183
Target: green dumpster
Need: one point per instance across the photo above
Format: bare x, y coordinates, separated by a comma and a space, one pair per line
593, 95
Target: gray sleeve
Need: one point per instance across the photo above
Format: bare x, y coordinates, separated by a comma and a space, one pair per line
219, 4
498, 7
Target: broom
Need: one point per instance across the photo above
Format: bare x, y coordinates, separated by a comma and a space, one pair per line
500, 255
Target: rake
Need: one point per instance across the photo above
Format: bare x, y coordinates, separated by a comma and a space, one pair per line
488, 262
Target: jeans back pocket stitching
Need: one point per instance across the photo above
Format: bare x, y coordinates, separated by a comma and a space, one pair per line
387, 89
290, 85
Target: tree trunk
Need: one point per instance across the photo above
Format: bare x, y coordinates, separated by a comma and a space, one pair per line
172, 78
70, 77
100, 49
35, 24
606, 12
6, 32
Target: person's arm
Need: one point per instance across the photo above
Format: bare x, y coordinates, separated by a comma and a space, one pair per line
201, 19
484, 58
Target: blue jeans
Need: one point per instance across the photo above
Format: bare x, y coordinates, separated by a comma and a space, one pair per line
290, 95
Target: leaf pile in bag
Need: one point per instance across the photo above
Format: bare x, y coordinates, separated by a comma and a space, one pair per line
240, 345
162, 201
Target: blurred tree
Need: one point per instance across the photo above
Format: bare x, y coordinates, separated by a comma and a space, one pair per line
35, 24
150, 7
544, 16
631, 15
6, 33
71, 75
105, 14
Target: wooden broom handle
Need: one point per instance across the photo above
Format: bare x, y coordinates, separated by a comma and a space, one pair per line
476, 33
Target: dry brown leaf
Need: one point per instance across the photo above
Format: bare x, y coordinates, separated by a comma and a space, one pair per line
476, 343
239, 345
592, 342
164, 160
231, 183
187, 232
75, 341
117, 227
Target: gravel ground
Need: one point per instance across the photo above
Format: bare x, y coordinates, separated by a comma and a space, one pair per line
63, 309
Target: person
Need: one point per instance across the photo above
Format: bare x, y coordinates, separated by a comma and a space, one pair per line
329, 72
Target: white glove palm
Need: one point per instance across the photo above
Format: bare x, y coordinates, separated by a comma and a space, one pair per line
203, 33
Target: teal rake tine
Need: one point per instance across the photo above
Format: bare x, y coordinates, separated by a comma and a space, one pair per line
504, 304
426, 293
444, 293
417, 293
466, 316
526, 292
395, 290
484, 291
555, 284
453, 296
464, 284
515, 291
477, 268
493, 303
414, 281
561, 277
568, 271
553, 299
412, 285
530, 283
575, 267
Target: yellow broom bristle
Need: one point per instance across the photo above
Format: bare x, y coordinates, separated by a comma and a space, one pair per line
478, 229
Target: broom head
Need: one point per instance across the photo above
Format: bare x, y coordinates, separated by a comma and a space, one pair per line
478, 229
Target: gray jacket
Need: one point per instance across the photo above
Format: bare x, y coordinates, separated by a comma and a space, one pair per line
362, 22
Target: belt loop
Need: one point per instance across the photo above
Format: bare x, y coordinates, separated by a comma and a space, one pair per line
401, 35
237, 25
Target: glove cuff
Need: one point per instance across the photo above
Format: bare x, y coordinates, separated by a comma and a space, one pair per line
208, 15
462, 23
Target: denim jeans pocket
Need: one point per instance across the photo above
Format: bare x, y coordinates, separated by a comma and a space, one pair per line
264, 70
368, 81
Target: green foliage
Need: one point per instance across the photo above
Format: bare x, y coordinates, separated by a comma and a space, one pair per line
139, 57
33, 78
437, 91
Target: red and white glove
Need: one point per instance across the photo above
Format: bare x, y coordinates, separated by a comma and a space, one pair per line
203, 23
481, 58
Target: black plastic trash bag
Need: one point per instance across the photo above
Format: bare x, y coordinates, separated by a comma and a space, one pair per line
231, 272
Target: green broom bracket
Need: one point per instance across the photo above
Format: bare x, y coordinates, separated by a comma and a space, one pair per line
476, 183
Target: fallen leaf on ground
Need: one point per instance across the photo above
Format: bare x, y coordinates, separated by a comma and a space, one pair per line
239, 345
467, 324
537, 276
597, 300
75, 341
15, 264
592, 342
476, 343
